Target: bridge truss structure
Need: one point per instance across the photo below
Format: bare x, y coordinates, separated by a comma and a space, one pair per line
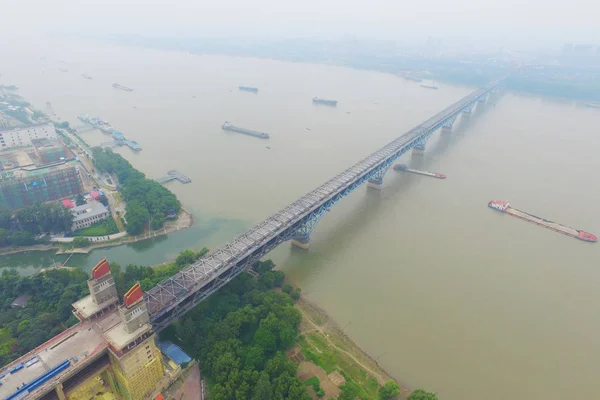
176, 295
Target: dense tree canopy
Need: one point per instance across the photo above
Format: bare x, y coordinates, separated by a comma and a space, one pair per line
389, 390
20, 229
48, 311
147, 200
239, 335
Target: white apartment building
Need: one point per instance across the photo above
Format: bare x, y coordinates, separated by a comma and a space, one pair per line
22, 135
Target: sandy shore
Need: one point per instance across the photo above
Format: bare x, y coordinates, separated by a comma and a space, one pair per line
315, 318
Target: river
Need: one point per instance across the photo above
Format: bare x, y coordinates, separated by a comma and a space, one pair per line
447, 294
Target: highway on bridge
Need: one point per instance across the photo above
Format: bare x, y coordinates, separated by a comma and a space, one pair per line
175, 296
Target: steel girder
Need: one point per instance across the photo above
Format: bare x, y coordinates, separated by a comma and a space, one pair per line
176, 295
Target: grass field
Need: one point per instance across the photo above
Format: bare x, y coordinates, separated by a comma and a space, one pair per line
316, 349
100, 228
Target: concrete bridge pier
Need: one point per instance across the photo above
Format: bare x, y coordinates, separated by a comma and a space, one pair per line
419, 148
375, 183
302, 242
447, 127
468, 110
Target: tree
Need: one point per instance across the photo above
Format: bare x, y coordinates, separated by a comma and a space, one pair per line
157, 221
102, 199
263, 390
389, 390
80, 242
287, 288
421, 394
80, 200
5, 217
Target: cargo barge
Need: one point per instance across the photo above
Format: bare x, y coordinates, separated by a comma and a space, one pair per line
228, 126
402, 167
430, 85
86, 76
318, 100
504, 207
125, 88
248, 89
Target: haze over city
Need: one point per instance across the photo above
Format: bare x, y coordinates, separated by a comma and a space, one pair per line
494, 22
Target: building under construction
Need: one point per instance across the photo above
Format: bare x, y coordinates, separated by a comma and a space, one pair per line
20, 187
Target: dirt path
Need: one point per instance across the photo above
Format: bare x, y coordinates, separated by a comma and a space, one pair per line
316, 327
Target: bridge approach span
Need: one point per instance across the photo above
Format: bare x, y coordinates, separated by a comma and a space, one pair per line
176, 295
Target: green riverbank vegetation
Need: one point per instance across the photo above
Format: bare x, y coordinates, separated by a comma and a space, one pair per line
148, 202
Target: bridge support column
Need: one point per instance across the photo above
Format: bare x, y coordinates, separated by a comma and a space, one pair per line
302, 242
419, 148
60, 393
447, 127
482, 99
468, 110
375, 183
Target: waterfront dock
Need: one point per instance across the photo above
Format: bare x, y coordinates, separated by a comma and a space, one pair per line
173, 175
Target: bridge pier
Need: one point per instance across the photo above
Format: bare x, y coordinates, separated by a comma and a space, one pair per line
447, 127
419, 148
375, 183
468, 110
301, 242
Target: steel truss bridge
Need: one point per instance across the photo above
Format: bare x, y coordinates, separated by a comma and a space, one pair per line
175, 296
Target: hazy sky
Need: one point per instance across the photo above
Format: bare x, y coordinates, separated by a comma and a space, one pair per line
547, 22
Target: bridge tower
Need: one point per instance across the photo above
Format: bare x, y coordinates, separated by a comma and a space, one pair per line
135, 359
103, 296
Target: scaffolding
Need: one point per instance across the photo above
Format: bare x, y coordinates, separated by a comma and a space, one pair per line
21, 188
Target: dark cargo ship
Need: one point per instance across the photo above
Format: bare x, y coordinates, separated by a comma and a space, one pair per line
228, 126
318, 100
248, 89
125, 88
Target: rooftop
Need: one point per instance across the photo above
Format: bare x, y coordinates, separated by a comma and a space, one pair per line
88, 210
20, 301
19, 128
82, 341
32, 170
119, 337
87, 307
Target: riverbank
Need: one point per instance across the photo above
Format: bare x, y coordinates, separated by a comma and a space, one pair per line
325, 345
184, 220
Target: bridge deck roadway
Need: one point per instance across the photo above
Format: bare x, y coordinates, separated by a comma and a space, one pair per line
174, 296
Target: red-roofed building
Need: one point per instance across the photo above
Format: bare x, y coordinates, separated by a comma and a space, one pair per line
68, 203
95, 194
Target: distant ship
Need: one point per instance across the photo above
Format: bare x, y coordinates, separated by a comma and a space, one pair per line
125, 88
133, 145
86, 76
318, 100
593, 105
412, 78
97, 123
248, 89
228, 126
431, 85
63, 70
